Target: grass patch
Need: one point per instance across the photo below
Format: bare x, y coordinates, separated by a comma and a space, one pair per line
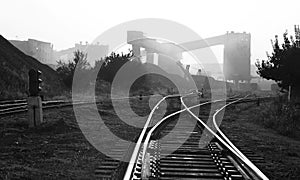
280, 115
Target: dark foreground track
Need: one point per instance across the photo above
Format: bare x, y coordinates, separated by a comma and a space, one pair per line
195, 157
190, 161
186, 154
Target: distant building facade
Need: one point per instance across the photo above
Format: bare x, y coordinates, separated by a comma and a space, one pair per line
94, 52
42, 51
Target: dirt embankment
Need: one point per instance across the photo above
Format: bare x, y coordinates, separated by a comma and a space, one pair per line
14, 69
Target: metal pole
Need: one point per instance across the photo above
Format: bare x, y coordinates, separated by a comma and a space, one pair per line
289, 95
34, 119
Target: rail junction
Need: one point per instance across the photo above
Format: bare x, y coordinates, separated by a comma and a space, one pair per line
150, 158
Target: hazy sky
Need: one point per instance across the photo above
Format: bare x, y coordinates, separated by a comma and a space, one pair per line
65, 23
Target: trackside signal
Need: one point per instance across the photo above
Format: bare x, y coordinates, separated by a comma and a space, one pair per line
35, 109
35, 82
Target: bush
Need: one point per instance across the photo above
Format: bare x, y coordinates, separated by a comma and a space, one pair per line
281, 116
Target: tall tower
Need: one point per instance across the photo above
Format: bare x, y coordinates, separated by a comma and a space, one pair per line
132, 37
237, 57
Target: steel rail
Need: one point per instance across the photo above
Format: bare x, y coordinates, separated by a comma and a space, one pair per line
244, 158
234, 150
134, 156
146, 142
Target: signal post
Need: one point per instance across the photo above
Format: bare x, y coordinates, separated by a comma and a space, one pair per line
34, 101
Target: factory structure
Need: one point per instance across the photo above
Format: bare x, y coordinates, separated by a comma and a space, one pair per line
43, 51
236, 62
236, 53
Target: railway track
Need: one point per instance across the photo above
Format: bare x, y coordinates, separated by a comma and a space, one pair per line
10, 107
217, 159
20, 106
